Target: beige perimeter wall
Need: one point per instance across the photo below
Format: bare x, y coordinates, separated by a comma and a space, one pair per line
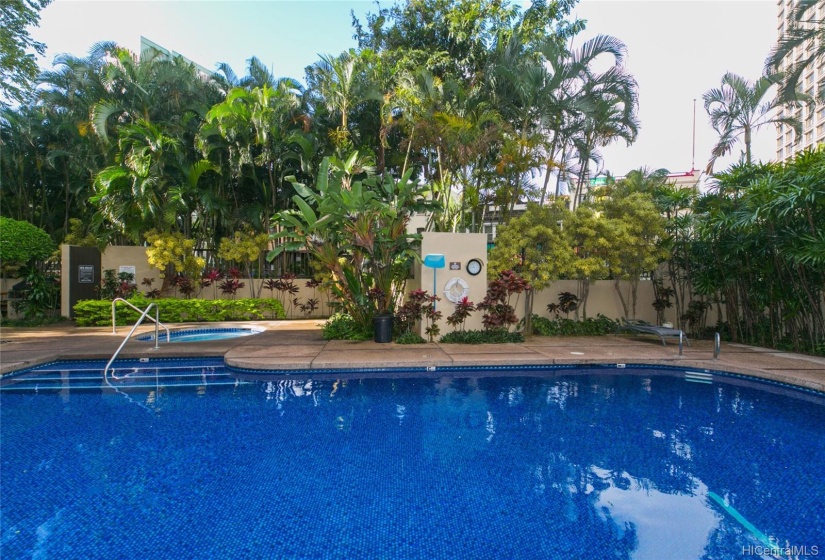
457, 248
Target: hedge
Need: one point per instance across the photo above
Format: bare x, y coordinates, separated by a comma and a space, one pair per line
98, 313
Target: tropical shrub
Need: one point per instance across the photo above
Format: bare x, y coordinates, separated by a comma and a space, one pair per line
39, 298
419, 305
600, 325
498, 311
117, 285
98, 313
22, 243
354, 225
171, 254
489, 336
343, 327
410, 337
568, 302
462, 311
537, 246
245, 247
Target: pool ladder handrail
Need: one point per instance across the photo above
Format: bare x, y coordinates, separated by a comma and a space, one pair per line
139, 310
143, 316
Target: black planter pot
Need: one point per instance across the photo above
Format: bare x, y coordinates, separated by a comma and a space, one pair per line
382, 328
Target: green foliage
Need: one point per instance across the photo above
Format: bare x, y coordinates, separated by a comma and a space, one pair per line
117, 285
757, 252
535, 243
736, 109
245, 247
499, 312
98, 313
568, 302
355, 228
40, 297
462, 311
596, 241
341, 326
22, 243
453, 38
173, 252
419, 305
80, 236
487, 336
598, 326
410, 337
18, 65
635, 242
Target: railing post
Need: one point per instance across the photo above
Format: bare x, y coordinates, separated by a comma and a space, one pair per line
717, 346
157, 319
680, 342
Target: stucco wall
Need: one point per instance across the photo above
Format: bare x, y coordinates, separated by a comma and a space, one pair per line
602, 299
457, 248
116, 256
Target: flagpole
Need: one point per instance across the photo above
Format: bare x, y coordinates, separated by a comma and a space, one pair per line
693, 154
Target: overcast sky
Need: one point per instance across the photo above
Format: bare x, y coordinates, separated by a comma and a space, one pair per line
677, 50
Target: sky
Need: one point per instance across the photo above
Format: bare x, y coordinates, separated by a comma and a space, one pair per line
677, 50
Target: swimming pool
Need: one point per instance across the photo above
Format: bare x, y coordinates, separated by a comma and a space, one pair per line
202, 334
190, 459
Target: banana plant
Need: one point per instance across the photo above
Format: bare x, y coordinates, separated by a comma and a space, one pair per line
354, 224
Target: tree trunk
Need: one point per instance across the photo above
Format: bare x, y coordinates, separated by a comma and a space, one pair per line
528, 312
617, 286
634, 287
585, 293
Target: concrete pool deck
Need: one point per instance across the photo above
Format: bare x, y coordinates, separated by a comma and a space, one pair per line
298, 346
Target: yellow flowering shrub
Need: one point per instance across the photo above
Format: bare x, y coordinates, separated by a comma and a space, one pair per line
243, 247
173, 250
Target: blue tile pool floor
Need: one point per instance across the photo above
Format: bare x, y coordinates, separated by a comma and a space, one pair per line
580, 464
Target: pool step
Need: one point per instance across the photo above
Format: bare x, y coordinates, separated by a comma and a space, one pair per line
128, 374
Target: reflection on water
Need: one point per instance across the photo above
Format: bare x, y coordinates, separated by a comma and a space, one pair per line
633, 505
578, 466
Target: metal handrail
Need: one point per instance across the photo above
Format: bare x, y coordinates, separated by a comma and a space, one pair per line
131, 332
139, 310
717, 346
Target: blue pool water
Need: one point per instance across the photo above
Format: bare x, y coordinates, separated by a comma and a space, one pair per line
185, 459
201, 335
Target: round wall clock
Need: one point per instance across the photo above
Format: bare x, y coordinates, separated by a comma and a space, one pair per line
474, 266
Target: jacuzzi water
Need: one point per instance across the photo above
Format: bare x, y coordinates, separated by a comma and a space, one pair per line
186, 459
201, 334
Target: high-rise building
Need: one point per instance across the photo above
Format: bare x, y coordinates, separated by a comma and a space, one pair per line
149, 46
812, 117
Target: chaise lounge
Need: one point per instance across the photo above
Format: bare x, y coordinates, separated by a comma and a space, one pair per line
643, 327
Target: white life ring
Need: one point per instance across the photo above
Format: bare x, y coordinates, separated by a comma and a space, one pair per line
456, 289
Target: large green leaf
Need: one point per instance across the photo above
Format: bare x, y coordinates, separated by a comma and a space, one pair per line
307, 211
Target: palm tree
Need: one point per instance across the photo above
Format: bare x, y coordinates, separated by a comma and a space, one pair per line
257, 132
585, 109
133, 195
611, 116
804, 31
736, 109
75, 154
335, 79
